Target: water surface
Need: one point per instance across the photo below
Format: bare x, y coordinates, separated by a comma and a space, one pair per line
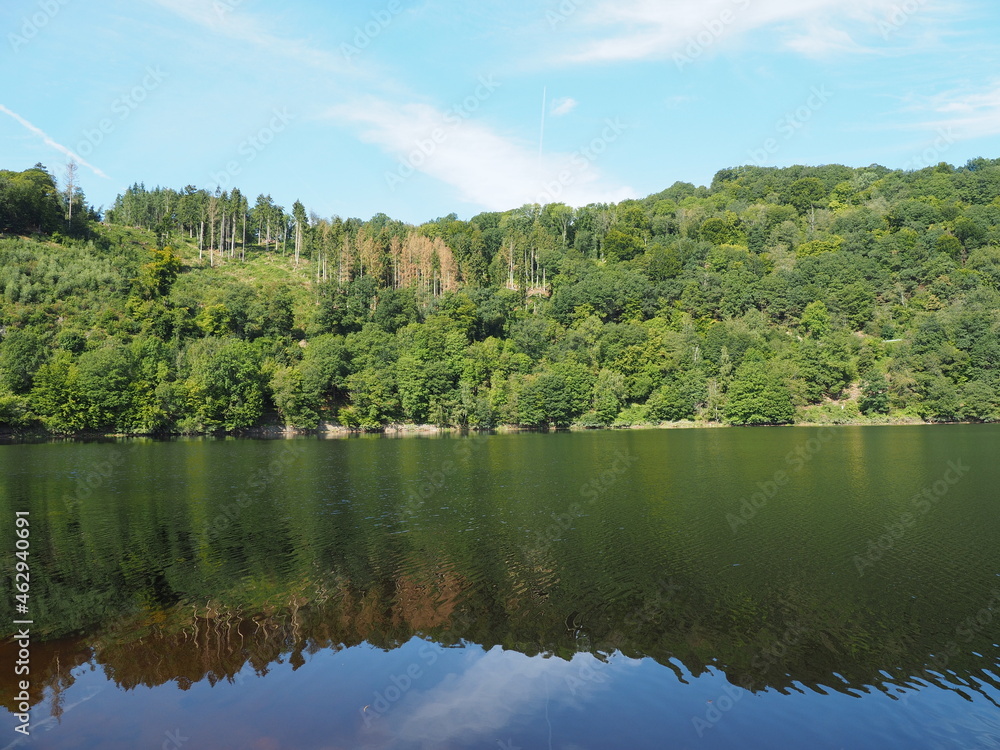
796, 587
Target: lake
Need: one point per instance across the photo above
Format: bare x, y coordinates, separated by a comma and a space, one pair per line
758, 588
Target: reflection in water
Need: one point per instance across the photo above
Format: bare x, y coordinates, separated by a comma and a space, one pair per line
602, 553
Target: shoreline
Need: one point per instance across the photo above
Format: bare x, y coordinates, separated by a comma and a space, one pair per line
330, 431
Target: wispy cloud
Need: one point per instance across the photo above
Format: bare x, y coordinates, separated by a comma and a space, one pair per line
563, 106
970, 114
487, 168
818, 41
232, 20
52, 143
656, 29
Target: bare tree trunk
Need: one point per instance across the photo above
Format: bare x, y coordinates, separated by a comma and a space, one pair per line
510, 265
70, 184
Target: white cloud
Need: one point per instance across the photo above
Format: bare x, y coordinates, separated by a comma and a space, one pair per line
50, 142
656, 29
818, 41
970, 114
488, 169
228, 18
496, 689
563, 106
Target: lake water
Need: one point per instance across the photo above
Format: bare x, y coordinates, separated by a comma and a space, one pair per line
759, 588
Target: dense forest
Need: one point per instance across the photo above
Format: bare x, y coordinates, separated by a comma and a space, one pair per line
773, 296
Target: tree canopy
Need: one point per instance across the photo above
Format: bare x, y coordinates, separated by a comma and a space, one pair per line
774, 295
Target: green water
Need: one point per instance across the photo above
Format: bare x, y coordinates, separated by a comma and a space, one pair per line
750, 587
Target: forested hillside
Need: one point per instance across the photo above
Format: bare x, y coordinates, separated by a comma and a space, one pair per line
819, 294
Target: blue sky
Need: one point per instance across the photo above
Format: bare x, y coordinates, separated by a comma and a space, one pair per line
420, 108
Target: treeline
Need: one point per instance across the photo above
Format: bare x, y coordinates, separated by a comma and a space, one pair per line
30, 203
774, 295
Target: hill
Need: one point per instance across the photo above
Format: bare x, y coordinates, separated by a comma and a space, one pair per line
808, 294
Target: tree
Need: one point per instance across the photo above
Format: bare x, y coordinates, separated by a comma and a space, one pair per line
715, 230
816, 319
941, 401
225, 387
609, 396
874, 396
105, 380
373, 400
22, 353
679, 398
29, 202
806, 194
56, 398
662, 263
559, 217
299, 216
159, 274
621, 245
70, 186
721, 303
297, 403
757, 395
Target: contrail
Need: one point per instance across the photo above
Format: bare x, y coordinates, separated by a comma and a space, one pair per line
57, 146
